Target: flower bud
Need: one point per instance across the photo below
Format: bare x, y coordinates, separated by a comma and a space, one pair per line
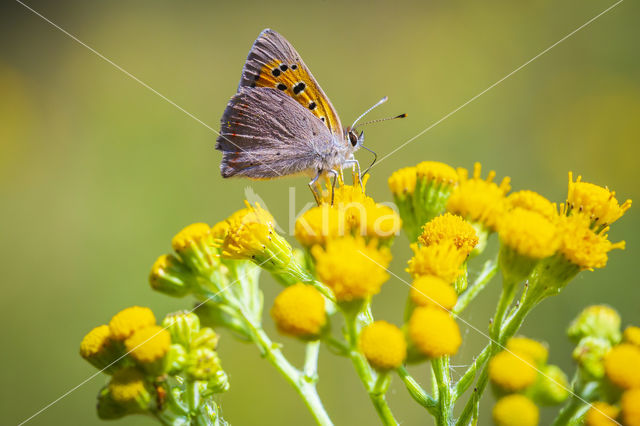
552, 386
182, 326
515, 410
196, 247
175, 359
299, 311
100, 350
126, 393
148, 347
204, 364
171, 277
589, 354
383, 345
596, 321
206, 338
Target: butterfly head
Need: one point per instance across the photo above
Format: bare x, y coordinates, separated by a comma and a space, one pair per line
356, 140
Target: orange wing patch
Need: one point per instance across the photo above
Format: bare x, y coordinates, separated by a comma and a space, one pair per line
295, 81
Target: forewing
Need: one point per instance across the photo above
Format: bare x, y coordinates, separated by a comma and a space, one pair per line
273, 62
265, 133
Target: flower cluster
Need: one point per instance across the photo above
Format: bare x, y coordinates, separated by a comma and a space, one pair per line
152, 368
609, 364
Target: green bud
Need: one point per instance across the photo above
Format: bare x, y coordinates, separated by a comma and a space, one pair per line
589, 354
171, 277
126, 393
596, 321
183, 327
175, 359
203, 364
552, 386
206, 338
107, 408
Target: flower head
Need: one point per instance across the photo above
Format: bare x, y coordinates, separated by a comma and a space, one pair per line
512, 371
584, 247
99, 349
536, 350
196, 247
429, 290
601, 414
442, 260
596, 321
449, 227
528, 233
434, 171
630, 403
402, 182
622, 366
434, 332
319, 224
170, 276
596, 203
632, 335
532, 201
479, 200
299, 310
352, 268
127, 385
148, 344
383, 345
126, 322
515, 410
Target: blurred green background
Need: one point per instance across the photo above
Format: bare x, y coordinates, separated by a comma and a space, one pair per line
97, 173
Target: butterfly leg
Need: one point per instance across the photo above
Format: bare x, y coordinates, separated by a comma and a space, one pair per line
353, 162
312, 185
335, 174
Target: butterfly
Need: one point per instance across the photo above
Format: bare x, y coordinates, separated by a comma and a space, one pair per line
280, 122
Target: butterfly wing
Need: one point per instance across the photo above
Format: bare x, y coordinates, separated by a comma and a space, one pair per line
274, 63
265, 133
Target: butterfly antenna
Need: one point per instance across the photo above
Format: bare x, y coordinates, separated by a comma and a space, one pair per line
366, 123
380, 102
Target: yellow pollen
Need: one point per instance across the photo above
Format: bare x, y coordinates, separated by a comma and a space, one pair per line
125, 322
148, 344
95, 341
529, 233
352, 268
449, 227
383, 345
126, 385
299, 310
515, 410
429, 290
530, 200
536, 350
192, 233
512, 371
584, 247
632, 335
442, 260
220, 230
434, 332
319, 224
403, 181
622, 366
251, 214
436, 171
595, 202
479, 200
601, 414
381, 221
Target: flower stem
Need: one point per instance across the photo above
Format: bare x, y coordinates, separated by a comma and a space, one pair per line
417, 392
488, 271
442, 375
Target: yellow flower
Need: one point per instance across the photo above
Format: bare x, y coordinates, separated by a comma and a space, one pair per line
479, 200
632, 335
352, 268
381, 221
442, 260
429, 290
601, 414
251, 214
515, 410
403, 181
170, 276
434, 332
532, 201
220, 230
192, 234
534, 349
596, 203
512, 371
622, 366
437, 172
346, 194
196, 247
127, 385
299, 310
631, 407
528, 233
319, 224
148, 344
95, 342
449, 227
126, 322
582, 246
383, 345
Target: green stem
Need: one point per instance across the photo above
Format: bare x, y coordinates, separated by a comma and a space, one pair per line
467, 378
488, 271
379, 402
442, 375
417, 392
305, 388
311, 361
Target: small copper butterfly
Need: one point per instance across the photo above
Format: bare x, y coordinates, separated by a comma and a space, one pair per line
280, 122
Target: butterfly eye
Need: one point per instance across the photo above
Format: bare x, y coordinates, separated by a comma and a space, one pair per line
353, 138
